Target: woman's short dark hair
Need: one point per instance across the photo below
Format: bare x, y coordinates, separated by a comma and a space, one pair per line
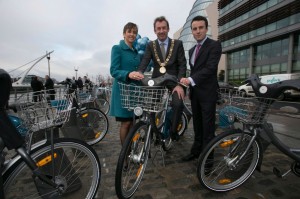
200, 18
130, 26
160, 19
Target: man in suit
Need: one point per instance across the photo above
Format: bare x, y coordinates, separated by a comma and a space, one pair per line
203, 82
168, 57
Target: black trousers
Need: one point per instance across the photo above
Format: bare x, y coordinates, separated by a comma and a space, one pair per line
177, 106
204, 116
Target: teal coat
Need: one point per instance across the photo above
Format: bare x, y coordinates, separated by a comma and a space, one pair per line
123, 61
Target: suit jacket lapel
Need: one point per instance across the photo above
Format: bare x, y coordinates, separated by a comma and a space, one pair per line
202, 48
168, 47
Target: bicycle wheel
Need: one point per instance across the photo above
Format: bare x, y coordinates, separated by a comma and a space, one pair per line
93, 125
75, 169
103, 105
132, 161
182, 125
218, 169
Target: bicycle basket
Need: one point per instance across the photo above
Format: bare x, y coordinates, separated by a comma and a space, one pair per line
150, 99
248, 110
43, 113
85, 97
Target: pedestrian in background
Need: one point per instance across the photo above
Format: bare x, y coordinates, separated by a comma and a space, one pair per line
49, 86
37, 86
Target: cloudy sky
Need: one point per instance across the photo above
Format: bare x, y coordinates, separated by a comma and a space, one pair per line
80, 32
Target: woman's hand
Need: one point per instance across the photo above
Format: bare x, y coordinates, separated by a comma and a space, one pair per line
136, 75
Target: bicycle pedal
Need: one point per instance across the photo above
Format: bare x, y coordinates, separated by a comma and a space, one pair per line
278, 172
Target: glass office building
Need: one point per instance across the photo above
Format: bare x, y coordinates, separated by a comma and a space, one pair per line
259, 36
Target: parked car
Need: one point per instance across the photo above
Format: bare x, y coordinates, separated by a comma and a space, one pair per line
271, 79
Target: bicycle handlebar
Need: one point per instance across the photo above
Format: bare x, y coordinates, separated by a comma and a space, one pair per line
160, 81
271, 90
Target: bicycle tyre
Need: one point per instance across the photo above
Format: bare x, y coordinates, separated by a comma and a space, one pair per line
93, 124
128, 178
103, 105
182, 126
76, 168
214, 170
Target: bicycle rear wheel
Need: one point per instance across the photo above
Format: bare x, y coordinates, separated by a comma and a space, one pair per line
93, 125
132, 161
75, 168
218, 169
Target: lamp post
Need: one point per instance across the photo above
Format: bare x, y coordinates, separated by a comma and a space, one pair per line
76, 69
48, 57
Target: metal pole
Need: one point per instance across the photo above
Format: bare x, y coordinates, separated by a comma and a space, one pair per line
48, 57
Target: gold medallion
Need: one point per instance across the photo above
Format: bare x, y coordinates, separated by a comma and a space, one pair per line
162, 70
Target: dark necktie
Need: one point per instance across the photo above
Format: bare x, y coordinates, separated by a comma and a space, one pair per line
197, 50
162, 49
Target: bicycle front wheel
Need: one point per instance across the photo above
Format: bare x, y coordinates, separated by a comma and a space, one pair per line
132, 161
103, 105
75, 168
220, 167
93, 125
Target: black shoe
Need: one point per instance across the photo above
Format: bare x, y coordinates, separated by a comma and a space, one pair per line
189, 157
174, 136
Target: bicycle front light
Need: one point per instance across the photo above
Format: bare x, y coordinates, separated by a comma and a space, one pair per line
138, 111
231, 118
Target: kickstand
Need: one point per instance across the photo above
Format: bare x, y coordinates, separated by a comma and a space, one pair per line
159, 149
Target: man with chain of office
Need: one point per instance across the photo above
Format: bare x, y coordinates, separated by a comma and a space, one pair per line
168, 57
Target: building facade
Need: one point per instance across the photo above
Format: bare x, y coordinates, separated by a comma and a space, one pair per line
208, 9
259, 36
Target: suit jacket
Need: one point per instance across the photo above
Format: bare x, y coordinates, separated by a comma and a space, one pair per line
204, 71
175, 66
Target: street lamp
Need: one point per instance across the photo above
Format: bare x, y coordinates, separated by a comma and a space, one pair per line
76, 69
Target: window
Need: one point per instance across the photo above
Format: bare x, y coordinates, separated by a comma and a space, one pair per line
275, 68
265, 69
261, 31
282, 23
283, 67
257, 70
262, 7
296, 66
271, 27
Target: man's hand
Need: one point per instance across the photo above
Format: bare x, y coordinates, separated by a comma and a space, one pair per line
179, 91
185, 81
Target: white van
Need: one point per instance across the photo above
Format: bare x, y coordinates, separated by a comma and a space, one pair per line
271, 79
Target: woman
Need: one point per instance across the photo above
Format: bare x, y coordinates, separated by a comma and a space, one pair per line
124, 63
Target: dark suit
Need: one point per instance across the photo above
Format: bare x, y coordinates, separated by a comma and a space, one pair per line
204, 93
175, 66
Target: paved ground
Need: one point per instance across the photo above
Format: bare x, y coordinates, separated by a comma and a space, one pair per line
178, 179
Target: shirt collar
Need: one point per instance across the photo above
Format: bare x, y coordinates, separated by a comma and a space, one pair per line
202, 41
166, 42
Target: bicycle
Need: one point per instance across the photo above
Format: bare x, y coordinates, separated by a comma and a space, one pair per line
145, 101
231, 157
102, 98
92, 122
51, 168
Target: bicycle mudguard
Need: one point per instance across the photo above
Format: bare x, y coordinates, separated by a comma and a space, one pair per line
272, 90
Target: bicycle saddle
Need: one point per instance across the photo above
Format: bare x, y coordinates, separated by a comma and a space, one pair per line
272, 90
159, 81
